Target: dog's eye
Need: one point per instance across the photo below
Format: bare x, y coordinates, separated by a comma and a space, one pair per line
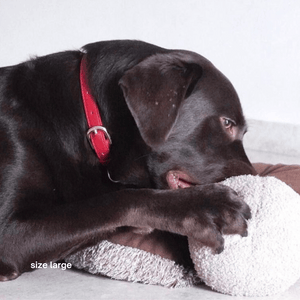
229, 126
228, 123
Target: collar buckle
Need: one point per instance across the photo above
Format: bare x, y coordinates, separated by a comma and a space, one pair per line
94, 130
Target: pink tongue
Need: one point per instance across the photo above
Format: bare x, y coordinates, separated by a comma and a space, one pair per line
175, 182
183, 184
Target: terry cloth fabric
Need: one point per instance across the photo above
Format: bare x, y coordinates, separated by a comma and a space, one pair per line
267, 261
132, 264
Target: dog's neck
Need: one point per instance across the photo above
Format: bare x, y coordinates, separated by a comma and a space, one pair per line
97, 135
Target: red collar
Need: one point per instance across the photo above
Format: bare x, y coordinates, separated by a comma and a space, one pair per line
97, 134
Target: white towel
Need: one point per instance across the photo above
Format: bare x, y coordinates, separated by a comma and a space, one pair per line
132, 264
267, 261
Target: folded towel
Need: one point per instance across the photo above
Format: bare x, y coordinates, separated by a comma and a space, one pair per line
132, 264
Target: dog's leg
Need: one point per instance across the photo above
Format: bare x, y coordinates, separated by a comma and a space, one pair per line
201, 212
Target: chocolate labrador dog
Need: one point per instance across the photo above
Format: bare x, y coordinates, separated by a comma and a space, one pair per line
122, 134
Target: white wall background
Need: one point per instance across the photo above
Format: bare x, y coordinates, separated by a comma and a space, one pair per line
255, 43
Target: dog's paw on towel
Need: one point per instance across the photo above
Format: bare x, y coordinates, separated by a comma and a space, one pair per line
267, 261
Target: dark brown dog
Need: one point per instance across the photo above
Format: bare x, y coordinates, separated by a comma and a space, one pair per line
175, 122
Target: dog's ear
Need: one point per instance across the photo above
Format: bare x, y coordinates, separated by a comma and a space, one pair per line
154, 90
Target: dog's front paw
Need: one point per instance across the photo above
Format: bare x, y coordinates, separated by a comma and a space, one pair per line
229, 211
215, 210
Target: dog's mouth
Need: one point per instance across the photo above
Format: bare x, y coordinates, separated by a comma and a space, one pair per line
179, 180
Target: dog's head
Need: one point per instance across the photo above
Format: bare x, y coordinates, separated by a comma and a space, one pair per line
189, 117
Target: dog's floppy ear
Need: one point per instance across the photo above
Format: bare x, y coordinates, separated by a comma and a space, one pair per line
154, 90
